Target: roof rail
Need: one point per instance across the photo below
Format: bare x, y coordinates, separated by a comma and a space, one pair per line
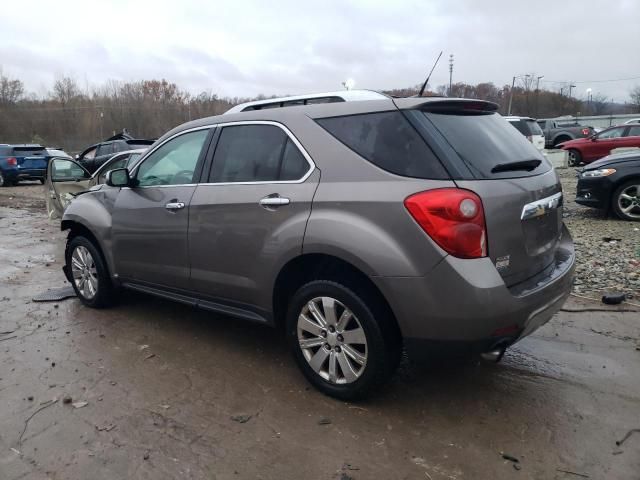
309, 99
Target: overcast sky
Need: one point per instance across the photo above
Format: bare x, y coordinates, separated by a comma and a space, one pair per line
242, 48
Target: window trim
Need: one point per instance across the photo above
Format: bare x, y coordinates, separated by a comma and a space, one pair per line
296, 142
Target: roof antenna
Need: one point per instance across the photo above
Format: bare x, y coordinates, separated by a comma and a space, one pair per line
424, 85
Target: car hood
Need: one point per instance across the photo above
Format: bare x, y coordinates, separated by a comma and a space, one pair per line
577, 141
614, 159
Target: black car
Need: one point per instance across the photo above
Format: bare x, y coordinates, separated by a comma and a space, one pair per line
94, 156
612, 183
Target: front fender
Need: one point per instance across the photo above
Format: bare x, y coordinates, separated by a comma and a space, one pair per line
92, 212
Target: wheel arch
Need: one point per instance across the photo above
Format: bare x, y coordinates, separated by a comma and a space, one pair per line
77, 228
321, 266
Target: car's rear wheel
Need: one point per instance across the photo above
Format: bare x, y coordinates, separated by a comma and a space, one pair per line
626, 200
41, 180
3, 180
90, 276
340, 339
574, 157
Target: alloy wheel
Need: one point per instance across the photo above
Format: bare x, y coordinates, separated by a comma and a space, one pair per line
332, 340
85, 275
629, 201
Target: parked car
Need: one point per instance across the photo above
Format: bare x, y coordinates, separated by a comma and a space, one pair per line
529, 128
22, 162
94, 156
587, 150
66, 178
342, 223
612, 183
632, 121
556, 132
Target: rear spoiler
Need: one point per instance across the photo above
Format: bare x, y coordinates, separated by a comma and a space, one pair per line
27, 147
140, 141
435, 104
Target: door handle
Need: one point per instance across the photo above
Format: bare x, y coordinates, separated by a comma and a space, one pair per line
274, 201
173, 206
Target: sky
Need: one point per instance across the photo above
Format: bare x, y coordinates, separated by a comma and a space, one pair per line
248, 47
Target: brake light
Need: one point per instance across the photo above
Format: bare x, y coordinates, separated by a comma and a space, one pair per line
453, 218
12, 161
586, 132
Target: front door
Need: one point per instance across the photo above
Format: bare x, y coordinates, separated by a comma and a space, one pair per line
605, 142
150, 218
65, 178
251, 215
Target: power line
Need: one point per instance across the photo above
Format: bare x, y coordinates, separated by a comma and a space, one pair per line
593, 81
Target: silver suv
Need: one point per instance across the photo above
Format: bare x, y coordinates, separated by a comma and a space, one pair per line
362, 226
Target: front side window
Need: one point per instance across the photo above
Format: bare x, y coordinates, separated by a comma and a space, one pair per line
66, 170
613, 133
90, 154
174, 163
256, 153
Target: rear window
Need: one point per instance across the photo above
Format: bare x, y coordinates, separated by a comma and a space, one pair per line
521, 126
388, 141
28, 151
485, 140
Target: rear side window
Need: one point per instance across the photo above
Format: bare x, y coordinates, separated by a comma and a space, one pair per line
256, 153
5, 151
387, 140
484, 140
534, 128
634, 132
521, 126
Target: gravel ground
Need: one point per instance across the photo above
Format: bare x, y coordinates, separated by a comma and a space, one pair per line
608, 249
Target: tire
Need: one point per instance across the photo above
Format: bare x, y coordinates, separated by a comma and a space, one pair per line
359, 367
81, 252
3, 180
575, 158
560, 140
627, 195
41, 180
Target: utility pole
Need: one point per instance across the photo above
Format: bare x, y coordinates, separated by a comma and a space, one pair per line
538, 91
513, 84
101, 122
450, 73
589, 97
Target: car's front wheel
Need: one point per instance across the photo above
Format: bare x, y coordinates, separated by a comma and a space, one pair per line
341, 340
90, 276
626, 200
574, 158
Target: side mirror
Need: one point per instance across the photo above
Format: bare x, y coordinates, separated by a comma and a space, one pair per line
593, 138
118, 178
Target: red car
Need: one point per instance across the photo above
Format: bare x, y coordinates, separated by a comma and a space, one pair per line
587, 150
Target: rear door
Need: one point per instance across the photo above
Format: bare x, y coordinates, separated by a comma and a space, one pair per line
65, 178
632, 136
249, 218
150, 219
523, 206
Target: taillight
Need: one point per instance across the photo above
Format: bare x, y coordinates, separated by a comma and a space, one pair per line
12, 161
530, 138
586, 132
453, 218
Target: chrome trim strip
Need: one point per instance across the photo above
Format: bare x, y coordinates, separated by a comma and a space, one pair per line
305, 154
541, 207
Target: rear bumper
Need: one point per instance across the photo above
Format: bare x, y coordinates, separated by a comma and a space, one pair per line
29, 174
466, 303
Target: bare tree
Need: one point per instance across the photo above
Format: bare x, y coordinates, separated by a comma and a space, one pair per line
635, 97
65, 89
11, 90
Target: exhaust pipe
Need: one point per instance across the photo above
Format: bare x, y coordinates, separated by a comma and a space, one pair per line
494, 356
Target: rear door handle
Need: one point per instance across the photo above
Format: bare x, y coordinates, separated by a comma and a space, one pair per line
172, 206
274, 201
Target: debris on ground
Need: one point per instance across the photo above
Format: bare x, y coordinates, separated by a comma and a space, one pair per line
80, 404
241, 418
629, 433
573, 473
67, 399
105, 428
511, 458
613, 299
324, 421
145, 456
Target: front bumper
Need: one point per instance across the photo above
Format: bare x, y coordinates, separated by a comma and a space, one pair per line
466, 303
594, 192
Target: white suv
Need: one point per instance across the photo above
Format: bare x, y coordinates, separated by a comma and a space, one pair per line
530, 129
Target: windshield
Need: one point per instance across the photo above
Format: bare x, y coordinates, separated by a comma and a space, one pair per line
485, 140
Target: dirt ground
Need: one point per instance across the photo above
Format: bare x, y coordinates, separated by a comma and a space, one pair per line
172, 392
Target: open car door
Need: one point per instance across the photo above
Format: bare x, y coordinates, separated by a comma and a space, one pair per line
65, 178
